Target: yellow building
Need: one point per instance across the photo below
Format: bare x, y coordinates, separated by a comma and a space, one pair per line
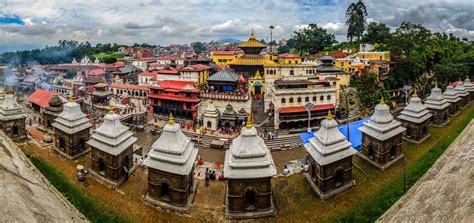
350, 65
374, 55
257, 84
222, 58
289, 58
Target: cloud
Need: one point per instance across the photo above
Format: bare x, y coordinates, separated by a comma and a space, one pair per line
183, 21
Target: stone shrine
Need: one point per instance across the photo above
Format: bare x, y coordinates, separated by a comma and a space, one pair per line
416, 118
330, 160
72, 130
55, 107
112, 150
170, 164
382, 138
438, 106
12, 117
452, 97
249, 169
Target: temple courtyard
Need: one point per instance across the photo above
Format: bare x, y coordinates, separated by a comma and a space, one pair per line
374, 191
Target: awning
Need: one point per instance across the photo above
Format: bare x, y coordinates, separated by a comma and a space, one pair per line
303, 109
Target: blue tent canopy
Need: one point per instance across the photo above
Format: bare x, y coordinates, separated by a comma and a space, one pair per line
355, 134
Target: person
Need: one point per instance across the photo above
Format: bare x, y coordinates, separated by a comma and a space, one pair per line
213, 175
206, 177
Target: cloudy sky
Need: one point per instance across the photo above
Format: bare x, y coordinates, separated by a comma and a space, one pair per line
34, 23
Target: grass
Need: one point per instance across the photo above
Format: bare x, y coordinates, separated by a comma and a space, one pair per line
376, 191
87, 205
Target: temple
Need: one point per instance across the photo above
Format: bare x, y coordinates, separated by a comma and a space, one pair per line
211, 117
463, 94
170, 164
452, 97
12, 117
381, 138
251, 61
50, 113
438, 106
249, 169
112, 150
72, 130
415, 117
330, 160
469, 88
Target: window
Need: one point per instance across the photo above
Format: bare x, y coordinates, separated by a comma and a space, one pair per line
283, 100
314, 98
291, 100
321, 98
334, 83
328, 97
299, 100
289, 61
306, 99
292, 72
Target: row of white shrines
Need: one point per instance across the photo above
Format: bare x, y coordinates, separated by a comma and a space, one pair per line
249, 167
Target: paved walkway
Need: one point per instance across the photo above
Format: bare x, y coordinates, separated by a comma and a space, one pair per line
444, 193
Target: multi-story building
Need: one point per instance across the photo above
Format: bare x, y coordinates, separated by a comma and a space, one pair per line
384, 55
196, 73
177, 97
289, 97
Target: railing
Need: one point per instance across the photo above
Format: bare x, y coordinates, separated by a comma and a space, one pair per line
221, 96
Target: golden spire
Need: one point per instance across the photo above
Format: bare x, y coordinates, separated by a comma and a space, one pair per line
252, 36
111, 109
327, 54
71, 98
171, 119
249, 122
382, 101
329, 115
415, 94
436, 83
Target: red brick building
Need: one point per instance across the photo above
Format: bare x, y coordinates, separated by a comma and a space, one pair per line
177, 97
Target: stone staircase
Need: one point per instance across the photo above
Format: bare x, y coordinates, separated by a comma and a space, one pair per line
277, 144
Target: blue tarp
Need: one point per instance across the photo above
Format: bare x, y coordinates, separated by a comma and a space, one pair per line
356, 135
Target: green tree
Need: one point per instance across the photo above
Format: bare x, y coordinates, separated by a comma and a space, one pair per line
312, 39
199, 48
377, 33
356, 15
283, 49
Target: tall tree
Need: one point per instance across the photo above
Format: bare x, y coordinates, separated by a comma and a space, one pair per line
198, 47
377, 33
313, 39
356, 15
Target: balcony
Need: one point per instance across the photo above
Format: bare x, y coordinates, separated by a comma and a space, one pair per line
223, 96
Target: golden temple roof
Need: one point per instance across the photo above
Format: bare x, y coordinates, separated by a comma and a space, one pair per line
252, 42
243, 60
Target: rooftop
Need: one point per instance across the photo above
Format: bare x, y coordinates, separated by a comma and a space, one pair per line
41, 97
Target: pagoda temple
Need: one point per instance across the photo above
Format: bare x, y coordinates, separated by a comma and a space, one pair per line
330, 160
228, 117
12, 117
211, 117
462, 93
100, 93
170, 164
415, 117
382, 138
469, 88
452, 97
112, 150
251, 60
249, 169
438, 106
72, 130
55, 107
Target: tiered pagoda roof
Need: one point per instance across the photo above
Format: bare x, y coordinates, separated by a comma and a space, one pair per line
248, 157
224, 75
172, 152
436, 100
229, 113
415, 111
71, 120
252, 42
468, 85
211, 111
381, 124
328, 144
112, 136
461, 90
451, 95
327, 65
10, 109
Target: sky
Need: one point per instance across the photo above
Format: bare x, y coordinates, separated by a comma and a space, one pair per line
26, 24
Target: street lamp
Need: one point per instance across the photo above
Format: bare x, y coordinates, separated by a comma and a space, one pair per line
271, 37
308, 108
347, 112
